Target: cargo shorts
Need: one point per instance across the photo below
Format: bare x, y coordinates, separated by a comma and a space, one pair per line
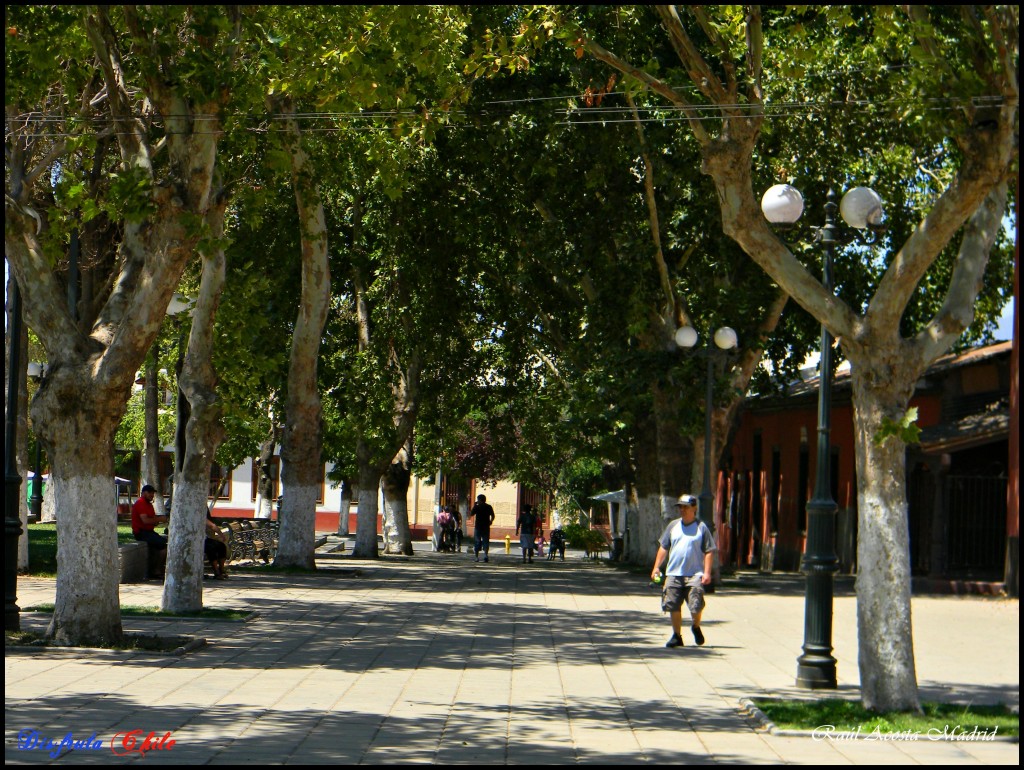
678, 590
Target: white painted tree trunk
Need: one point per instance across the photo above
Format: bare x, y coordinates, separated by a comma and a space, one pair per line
366, 519
49, 513
884, 633
646, 527
395, 486
398, 537
23, 564
264, 507
346, 506
183, 581
203, 433
301, 464
297, 538
87, 607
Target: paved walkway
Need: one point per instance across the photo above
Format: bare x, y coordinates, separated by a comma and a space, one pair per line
436, 659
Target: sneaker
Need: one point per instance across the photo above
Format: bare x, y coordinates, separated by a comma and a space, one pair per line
486, 559
675, 641
698, 636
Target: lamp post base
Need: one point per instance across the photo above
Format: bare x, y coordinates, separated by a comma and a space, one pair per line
815, 672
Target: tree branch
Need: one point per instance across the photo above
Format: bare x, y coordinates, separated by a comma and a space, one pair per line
957, 311
699, 71
601, 54
652, 215
131, 134
755, 51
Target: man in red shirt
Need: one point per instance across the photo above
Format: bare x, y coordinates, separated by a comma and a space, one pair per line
145, 519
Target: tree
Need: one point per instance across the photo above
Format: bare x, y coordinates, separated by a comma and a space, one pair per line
608, 255
359, 72
157, 190
203, 432
965, 51
302, 466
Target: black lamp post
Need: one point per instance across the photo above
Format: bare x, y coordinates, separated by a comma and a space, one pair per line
35, 371
12, 479
725, 338
861, 207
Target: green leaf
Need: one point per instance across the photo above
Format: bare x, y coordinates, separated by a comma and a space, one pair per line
906, 429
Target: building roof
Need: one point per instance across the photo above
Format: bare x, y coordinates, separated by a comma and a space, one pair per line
968, 431
841, 378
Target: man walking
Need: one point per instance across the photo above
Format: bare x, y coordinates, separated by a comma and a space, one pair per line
484, 515
689, 547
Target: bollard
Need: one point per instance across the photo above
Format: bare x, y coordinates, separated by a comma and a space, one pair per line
508, 544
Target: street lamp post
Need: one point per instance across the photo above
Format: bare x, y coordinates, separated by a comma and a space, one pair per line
725, 338
861, 208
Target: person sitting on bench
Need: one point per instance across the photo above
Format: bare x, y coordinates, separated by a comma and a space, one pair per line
145, 519
215, 548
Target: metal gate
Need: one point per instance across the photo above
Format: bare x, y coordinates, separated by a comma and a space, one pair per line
976, 508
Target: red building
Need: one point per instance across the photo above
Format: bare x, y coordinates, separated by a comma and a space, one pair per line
957, 476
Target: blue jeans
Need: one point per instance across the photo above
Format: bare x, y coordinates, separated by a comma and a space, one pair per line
482, 541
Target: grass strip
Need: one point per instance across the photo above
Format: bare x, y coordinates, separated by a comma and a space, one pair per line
130, 642
131, 610
937, 719
42, 547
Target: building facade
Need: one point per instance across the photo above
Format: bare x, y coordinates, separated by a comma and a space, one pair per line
957, 475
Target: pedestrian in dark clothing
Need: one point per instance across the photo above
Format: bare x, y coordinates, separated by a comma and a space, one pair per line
484, 515
526, 526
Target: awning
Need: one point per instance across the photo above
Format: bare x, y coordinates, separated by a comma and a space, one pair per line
611, 497
967, 432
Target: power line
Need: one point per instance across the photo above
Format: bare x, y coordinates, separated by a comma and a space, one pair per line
573, 115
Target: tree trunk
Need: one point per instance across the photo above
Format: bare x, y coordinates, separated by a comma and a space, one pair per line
80, 445
264, 480
93, 359
395, 484
366, 518
301, 464
203, 433
347, 489
662, 461
886, 651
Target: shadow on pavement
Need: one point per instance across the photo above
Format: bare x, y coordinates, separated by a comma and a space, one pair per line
483, 733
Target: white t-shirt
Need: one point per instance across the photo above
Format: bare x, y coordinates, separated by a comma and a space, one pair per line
686, 546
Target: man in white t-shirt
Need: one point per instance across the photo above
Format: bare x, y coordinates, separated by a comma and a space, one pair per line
689, 547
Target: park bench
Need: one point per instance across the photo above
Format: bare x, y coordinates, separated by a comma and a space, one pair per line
239, 544
263, 538
249, 540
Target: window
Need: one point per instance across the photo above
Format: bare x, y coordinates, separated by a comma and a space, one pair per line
274, 469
